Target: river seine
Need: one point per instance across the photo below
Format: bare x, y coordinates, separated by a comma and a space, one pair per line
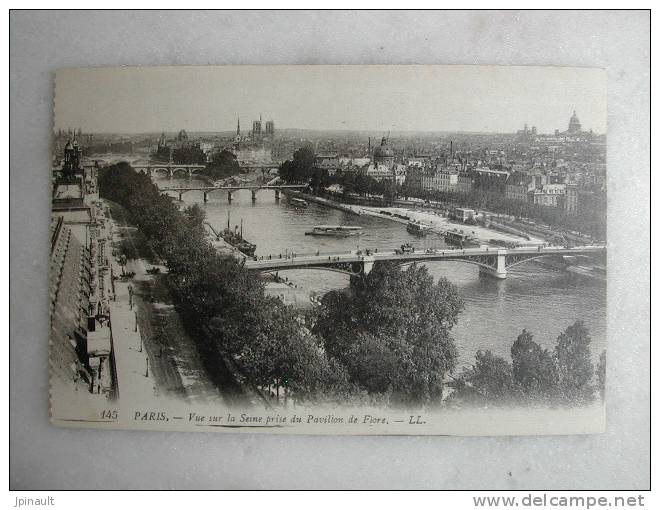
534, 296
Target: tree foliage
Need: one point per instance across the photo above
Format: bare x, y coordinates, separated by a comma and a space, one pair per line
392, 331
536, 375
223, 164
128, 249
575, 369
533, 367
300, 169
489, 380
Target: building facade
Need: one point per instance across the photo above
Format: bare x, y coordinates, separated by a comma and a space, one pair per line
441, 180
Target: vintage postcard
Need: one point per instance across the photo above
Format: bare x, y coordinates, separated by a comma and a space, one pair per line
329, 249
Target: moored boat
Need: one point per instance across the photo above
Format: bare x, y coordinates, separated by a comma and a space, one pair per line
235, 239
298, 202
334, 230
418, 228
460, 238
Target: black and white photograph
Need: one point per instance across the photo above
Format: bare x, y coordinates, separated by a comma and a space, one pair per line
416, 249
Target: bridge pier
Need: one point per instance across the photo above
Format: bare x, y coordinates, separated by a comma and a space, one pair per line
229, 196
206, 199
180, 196
499, 271
367, 264
254, 195
277, 195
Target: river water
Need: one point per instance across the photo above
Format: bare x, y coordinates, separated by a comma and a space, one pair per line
542, 299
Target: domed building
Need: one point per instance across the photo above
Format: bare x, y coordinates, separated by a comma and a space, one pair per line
383, 155
574, 125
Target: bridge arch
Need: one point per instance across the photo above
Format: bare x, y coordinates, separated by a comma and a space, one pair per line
533, 257
444, 259
161, 169
308, 268
180, 170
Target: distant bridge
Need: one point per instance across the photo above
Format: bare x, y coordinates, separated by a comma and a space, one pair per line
231, 188
491, 261
170, 169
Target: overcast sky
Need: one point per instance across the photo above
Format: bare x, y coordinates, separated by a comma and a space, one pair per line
369, 98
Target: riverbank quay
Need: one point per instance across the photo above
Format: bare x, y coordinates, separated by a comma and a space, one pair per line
175, 367
134, 380
522, 231
431, 217
177, 360
325, 201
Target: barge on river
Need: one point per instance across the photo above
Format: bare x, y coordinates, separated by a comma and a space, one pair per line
460, 239
298, 202
235, 239
417, 228
335, 231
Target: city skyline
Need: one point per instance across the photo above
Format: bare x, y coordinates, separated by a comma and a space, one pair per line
330, 98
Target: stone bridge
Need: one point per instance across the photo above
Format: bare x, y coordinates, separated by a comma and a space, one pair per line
491, 261
278, 188
169, 169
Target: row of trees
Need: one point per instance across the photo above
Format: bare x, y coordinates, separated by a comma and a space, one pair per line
186, 154
302, 169
535, 375
361, 184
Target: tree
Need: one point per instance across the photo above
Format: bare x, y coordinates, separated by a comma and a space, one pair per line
195, 217
489, 380
392, 330
223, 164
301, 168
128, 250
284, 355
575, 368
319, 179
189, 154
374, 362
533, 367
